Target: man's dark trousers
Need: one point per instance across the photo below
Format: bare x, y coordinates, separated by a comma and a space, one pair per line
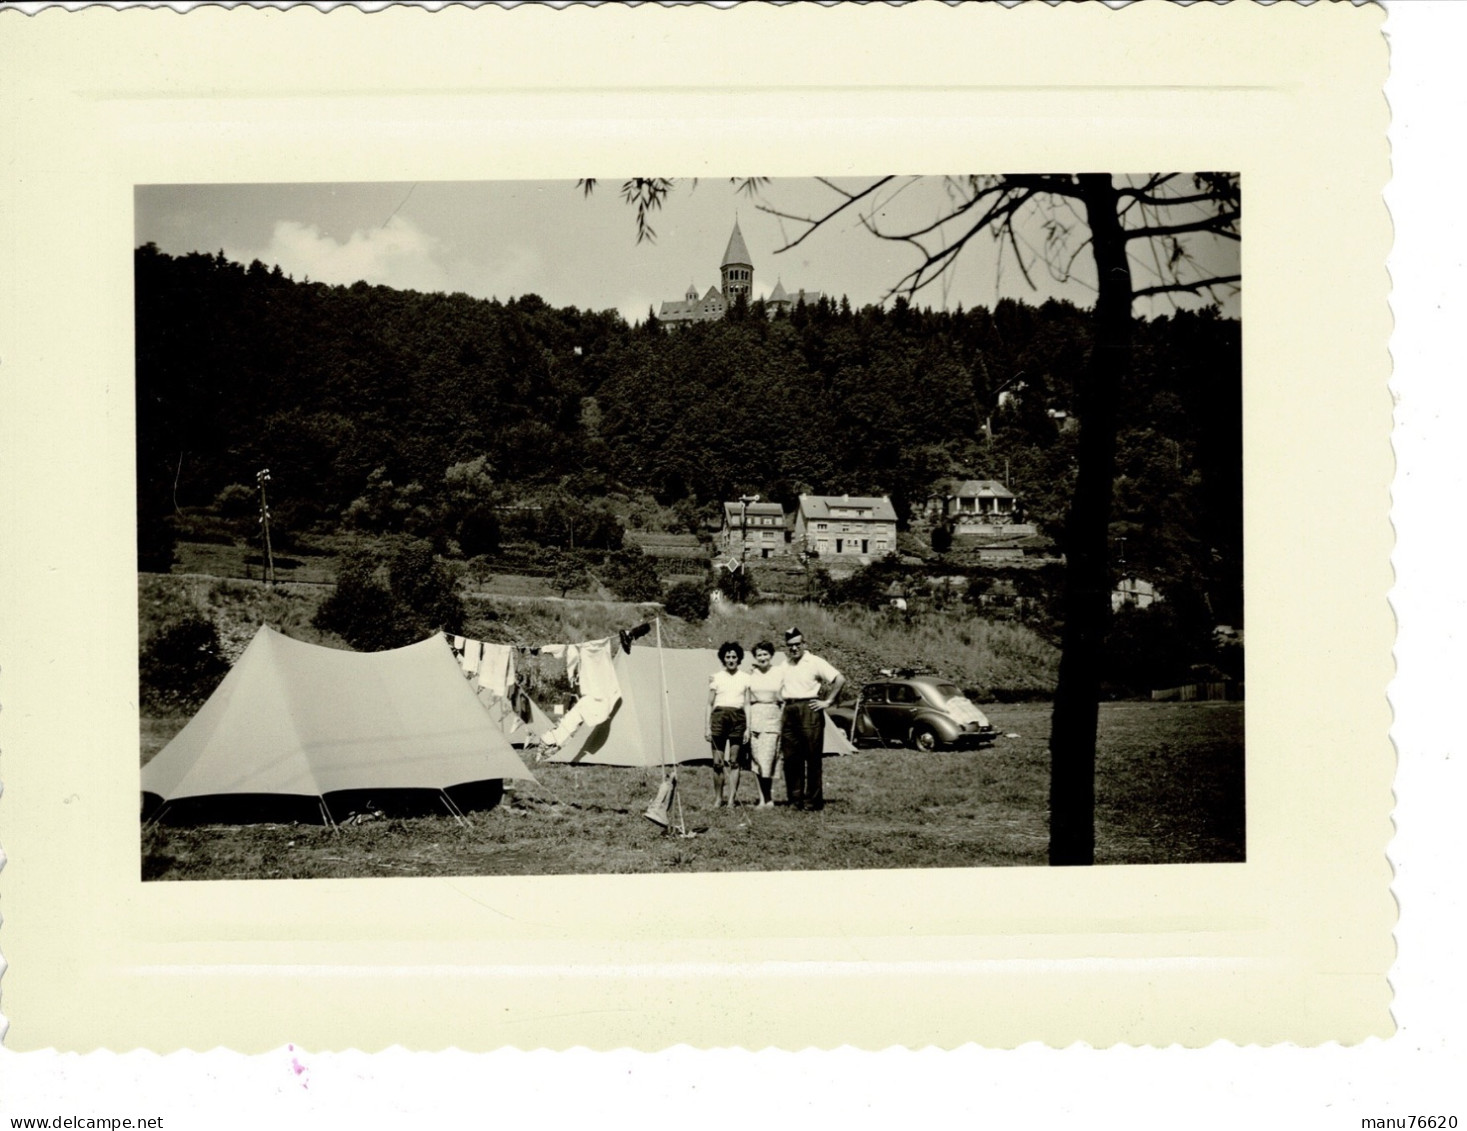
802, 738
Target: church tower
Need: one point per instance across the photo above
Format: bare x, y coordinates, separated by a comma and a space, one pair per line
737, 268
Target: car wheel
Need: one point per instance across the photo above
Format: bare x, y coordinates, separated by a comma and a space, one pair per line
924, 738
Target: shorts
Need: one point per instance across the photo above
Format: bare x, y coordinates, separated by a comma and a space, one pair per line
727, 726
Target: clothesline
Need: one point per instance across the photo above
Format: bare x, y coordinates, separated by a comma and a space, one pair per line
588, 667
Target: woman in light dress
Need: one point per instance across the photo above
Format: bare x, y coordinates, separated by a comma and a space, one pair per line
765, 710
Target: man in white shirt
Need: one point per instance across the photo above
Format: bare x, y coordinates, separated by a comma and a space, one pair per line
808, 686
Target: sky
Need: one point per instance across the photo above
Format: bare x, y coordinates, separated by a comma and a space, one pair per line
504, 239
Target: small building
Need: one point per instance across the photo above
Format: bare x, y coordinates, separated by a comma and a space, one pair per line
781, 300
1133, 593
846, 526
767, 534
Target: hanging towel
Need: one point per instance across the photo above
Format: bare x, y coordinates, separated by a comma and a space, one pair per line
496, 670
470, 661
597, 678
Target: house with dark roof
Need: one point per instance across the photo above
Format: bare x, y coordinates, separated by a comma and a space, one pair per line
845, 526
781, 300
977, 506
766, 535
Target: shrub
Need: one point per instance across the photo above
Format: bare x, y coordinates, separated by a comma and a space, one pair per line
478, 531
688, 599
361, 610
867, 586
237, 501
417, 596
180, 666
425, 588
567, 572
632, 576
736, 585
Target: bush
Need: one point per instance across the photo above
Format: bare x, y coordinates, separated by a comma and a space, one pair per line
736, 585
478, 531
180, 666
688, 599
1148, 648
868, 586
361, 610
237, 501
942, 538
567, 571
425, 588
417, 596
632, 576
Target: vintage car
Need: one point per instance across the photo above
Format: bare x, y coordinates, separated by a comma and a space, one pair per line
926, 712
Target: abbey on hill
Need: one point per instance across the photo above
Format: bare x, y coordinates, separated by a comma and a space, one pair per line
736, 274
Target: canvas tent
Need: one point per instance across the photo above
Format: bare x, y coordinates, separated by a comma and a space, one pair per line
518, 730
297, 719
653, 727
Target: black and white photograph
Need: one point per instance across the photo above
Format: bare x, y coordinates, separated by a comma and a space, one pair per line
680, 525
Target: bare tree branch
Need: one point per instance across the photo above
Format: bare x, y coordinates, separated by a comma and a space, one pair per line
1218, 225
814, 223
1169, 201
934, 263
1192, 288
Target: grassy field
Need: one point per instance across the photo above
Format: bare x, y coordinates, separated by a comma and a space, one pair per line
1169, 790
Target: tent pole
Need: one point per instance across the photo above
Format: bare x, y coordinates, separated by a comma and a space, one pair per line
454, 811
326, 815
669, 751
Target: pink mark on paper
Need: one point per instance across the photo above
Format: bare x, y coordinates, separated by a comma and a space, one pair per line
298, 1067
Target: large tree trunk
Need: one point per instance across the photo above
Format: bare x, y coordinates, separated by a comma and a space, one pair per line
1087, 569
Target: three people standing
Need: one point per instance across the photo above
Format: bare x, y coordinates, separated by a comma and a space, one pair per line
781, 709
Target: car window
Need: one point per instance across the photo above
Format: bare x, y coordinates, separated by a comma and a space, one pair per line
874, 693
946, 691
904, 693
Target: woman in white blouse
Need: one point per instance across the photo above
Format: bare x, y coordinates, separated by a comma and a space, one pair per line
728, 693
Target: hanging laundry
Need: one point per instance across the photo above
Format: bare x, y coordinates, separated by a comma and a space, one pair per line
627, 635
597, 676
568, 725
496, 669
458, 645
589, 667
473, 649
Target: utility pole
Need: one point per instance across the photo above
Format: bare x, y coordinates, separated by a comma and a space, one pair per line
262, 477
744, 526
745, 500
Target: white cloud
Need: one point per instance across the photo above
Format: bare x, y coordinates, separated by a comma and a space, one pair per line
398, 254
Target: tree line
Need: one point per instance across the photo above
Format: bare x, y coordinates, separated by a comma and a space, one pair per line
470, 422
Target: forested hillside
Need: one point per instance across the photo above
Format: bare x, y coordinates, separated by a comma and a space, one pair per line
450, 417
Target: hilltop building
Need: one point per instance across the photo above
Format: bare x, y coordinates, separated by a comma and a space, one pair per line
736, 277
